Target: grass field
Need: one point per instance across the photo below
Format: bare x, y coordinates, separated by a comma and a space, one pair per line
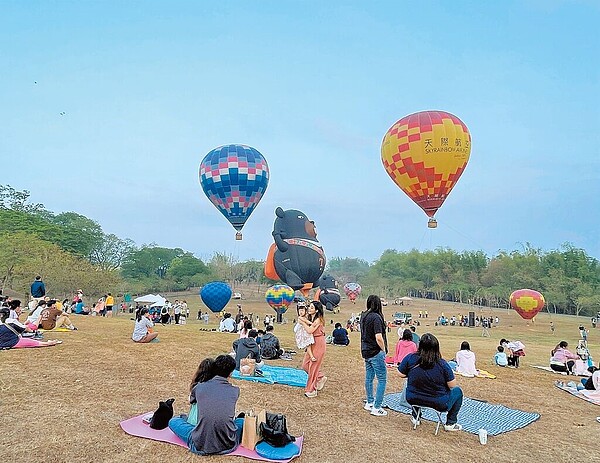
64, 403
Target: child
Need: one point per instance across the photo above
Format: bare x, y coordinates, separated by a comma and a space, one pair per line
303, 339
500, 358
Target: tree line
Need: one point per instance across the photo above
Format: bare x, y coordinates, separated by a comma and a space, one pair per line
72, 252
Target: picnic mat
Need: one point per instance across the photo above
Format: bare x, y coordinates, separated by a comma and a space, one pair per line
545, 368
474, 415
136, 427
56, 330
277, 375
480, 374
576, 393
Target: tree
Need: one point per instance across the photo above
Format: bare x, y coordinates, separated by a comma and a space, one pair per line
149, 261
111, 252
18, 201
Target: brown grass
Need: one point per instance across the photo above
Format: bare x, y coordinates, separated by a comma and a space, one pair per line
65, 403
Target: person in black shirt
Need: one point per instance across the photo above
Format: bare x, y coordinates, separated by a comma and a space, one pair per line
340, 335
373, 346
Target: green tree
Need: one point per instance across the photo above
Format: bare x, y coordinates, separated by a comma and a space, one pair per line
149, 261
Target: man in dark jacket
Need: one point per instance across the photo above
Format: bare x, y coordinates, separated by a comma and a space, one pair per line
270, 349
38, 288
247, 347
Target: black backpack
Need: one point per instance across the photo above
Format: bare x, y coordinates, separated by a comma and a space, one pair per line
274, 430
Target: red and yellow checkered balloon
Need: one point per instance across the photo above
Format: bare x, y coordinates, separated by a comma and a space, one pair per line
425, 154
527, 302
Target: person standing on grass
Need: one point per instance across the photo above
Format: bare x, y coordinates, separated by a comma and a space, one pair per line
314, 324
108, 305
373, 348
38, 289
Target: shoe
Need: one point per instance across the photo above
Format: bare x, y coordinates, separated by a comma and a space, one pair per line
453, 427
321, 383
415, 421
378, 412
311, 394
74, 328
368, 406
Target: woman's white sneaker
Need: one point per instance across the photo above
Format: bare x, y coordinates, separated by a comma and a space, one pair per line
453, 427
378, 412
368, 406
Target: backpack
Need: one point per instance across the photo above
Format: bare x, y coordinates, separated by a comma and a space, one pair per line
274, 430
162, 415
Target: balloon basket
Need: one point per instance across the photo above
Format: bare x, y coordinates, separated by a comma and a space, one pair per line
238, 236
432, 223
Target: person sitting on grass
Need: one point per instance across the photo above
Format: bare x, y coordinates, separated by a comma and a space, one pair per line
465, 360
500, 358
247, 347
143, 330
340, 335
270, 348
227, 324
431, 382
11, 334
562, 359
217, 431
51, 317
404, 346
204, 373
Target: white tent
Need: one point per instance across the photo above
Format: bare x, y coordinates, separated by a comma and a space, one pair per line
147, 299
160, 302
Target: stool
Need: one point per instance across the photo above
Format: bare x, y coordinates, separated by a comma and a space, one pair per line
417, 410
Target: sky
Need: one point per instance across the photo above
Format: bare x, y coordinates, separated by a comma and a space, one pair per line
107, 109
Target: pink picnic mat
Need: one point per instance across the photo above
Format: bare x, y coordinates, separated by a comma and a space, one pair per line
136, 427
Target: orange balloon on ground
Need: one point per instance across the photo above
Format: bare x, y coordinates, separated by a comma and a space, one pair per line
527, 302
425, 154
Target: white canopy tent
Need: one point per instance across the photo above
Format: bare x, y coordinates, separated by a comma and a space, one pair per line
155, 300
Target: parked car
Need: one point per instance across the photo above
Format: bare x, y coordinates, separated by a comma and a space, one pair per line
402, 317
236, 296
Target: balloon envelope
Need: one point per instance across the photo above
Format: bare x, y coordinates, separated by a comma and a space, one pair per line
527, 302
279, 297
234, 178
216, 295
352, 290
425, 154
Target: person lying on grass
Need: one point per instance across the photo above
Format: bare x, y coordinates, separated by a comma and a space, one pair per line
11, 334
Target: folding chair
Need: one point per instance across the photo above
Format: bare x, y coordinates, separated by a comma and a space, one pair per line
418, 410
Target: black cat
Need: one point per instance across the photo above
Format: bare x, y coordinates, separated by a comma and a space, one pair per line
162, 415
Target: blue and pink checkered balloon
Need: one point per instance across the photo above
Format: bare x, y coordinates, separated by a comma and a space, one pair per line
234, 178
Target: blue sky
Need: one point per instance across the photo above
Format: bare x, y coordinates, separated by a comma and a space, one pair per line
148, 88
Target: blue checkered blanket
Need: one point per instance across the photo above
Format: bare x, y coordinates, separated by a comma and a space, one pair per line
277, 375
473, 415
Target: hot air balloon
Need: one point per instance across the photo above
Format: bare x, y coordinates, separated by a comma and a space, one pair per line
279, 297
216, 295
352, 290
527, 302
328, 294
296, 257
234, 178
425, 154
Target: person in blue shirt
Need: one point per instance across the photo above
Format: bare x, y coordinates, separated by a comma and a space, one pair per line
38, 288
500, 358
431, 382
340, 335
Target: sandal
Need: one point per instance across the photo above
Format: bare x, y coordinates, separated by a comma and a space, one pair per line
313, 359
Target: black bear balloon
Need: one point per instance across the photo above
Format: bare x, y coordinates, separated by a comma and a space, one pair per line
296, 258
328, 294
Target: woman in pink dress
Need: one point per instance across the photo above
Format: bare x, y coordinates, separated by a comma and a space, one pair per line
314, 324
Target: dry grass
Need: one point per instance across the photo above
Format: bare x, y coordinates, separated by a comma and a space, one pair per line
65, 403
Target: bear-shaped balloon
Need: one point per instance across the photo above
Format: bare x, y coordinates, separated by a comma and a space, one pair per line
329, 294
296, 257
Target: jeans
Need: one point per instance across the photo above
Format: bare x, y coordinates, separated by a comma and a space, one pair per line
375, 366
182, 429
453, 405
